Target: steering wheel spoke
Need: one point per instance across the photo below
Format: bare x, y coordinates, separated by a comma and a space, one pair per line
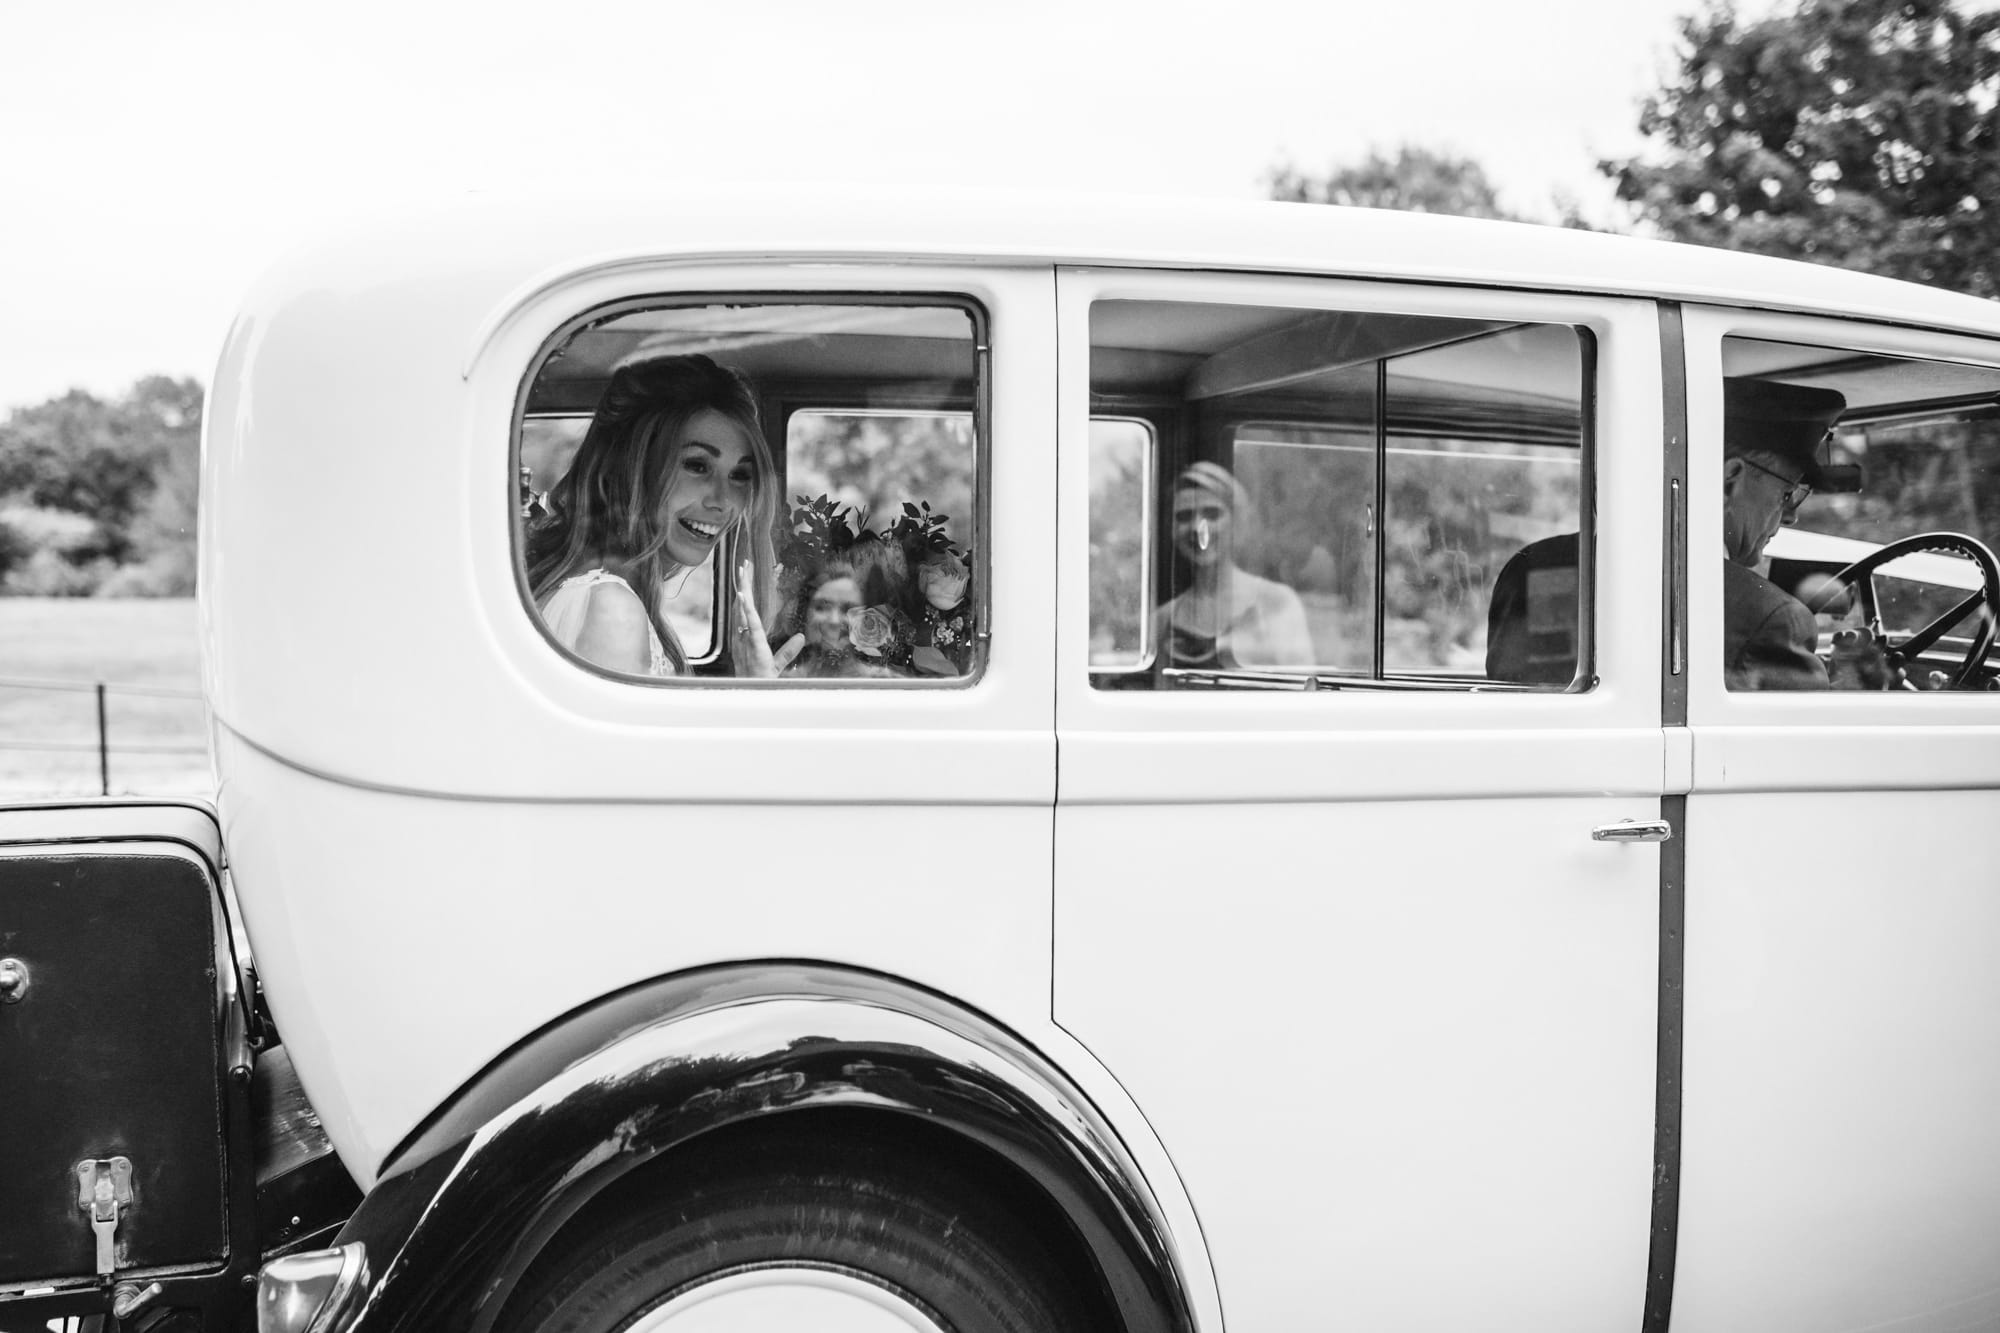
1860, 577
1934, 631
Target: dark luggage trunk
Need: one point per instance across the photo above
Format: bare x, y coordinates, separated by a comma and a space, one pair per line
120, 1038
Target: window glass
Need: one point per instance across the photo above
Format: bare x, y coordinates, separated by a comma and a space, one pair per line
873, 459
823, 455
1834, 462
1345, 499
1482, 461
1121, 486
1302, 481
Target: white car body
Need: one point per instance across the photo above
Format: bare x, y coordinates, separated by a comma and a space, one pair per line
1372, 1011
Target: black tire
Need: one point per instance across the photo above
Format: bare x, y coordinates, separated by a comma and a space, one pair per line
932, 1234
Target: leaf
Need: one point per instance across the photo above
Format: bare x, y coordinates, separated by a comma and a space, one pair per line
931, 662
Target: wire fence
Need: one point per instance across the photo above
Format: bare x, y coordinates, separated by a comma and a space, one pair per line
146, 732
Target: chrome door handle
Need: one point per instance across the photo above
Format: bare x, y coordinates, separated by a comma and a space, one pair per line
1633, 830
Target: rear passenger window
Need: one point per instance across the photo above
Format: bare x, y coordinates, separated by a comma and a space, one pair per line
1336, 499
821, 457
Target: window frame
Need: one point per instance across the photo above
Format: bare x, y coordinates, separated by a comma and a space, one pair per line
1711, 705
1153, 420
1172, 453
775, 409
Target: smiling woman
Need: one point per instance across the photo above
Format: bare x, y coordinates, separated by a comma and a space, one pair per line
673, 460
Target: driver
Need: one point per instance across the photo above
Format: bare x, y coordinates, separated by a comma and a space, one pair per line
1771, 439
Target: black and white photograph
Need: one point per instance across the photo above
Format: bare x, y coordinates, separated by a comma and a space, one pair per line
906, 667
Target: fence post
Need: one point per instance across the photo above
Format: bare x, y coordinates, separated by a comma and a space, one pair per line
103, 744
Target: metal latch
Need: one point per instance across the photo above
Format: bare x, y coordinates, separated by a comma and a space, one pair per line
103, 1187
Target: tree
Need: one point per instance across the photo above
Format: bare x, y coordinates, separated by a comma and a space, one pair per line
1415, 180
1861, 133
77, 455
878, 462
162, 533
99, 494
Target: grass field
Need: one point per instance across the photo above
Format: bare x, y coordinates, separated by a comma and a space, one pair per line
53, 651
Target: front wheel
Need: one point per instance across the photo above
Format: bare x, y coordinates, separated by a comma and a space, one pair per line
774, 1236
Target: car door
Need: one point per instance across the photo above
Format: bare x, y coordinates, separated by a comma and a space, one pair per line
1843, 1010
1335, 914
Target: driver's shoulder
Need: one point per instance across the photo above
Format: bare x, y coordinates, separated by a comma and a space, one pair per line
1744, 590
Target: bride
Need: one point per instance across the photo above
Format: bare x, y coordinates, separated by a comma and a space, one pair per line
673, 465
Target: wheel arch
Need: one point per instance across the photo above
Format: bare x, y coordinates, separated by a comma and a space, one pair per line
482, 1187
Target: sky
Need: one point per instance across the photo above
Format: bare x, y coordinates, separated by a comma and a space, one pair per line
155, 155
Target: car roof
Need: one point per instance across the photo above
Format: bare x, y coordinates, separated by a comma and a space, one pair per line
550, 239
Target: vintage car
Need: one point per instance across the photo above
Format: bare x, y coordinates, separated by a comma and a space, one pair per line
1047, 808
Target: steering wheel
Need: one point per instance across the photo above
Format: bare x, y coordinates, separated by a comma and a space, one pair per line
1860, 577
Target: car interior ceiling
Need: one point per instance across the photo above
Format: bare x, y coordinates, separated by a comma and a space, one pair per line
772, 344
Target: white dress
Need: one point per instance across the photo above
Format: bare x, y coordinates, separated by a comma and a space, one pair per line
565, 610
1267, 628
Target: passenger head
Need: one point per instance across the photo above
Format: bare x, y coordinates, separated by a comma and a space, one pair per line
673, 466
1207, 504
828, 603
830, 594
1772, 435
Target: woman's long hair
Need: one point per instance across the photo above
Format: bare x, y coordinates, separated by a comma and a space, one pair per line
609, 500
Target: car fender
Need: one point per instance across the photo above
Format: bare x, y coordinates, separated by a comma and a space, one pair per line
474, 1194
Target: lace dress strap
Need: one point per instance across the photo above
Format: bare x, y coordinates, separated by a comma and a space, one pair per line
568, 606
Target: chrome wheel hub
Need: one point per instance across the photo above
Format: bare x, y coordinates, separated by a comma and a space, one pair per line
825, 1300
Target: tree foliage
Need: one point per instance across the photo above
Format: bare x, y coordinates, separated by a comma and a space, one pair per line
875, 463
98, 495
1413, 180
1861, 133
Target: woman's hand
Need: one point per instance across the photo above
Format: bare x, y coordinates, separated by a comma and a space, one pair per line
752, 651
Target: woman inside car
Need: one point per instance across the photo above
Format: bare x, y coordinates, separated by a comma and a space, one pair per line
843, 632
1225, 617
673, 464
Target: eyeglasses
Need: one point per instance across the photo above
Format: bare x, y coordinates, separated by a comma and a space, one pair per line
1796, 492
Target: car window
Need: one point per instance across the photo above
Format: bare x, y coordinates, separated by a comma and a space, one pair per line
1861, 502
1121, 527
1287, 498
821, 454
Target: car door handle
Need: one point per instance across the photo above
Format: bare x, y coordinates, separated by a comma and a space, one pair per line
1633, 830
